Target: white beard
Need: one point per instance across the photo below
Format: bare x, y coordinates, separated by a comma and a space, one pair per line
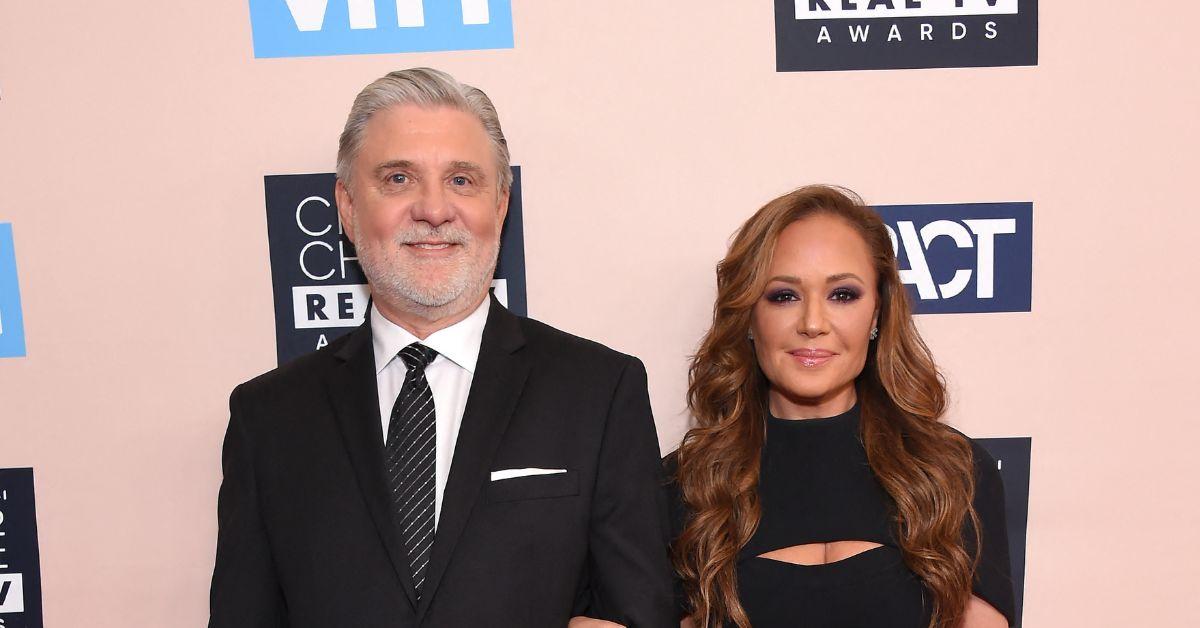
402, 281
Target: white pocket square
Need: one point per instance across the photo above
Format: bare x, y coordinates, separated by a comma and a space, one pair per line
520, 473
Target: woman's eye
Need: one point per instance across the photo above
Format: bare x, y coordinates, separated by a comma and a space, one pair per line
782, 296
844, 295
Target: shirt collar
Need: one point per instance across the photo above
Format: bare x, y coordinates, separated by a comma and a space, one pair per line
458, 343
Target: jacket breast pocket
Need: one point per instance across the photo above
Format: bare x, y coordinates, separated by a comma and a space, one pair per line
534, 487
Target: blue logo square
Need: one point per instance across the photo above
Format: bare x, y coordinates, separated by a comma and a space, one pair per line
305, 28
12, 325
964, 258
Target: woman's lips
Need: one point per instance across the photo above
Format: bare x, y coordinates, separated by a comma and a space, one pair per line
810, 358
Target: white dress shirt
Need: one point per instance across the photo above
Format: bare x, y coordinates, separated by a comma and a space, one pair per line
449, 376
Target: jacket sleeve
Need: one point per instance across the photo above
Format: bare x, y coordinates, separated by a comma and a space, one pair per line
993, 577
245, 591
630, 571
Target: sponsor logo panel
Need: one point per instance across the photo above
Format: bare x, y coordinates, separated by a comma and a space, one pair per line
320, 290
302, 28
959, 258
818, 35
20, 567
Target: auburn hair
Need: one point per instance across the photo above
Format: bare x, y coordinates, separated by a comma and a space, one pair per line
925, 466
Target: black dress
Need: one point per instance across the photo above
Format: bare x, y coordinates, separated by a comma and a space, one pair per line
815, 486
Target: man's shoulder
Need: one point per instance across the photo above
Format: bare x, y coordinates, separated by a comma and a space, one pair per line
299, 374
551, 343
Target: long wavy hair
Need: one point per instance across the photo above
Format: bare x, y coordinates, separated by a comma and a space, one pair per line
925, 466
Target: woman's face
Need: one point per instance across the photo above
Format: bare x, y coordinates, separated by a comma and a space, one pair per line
812, 324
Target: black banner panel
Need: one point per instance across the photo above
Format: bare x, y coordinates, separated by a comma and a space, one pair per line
20, 569
821, 35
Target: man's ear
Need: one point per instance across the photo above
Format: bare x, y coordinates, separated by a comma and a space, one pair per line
502, 210
345, 208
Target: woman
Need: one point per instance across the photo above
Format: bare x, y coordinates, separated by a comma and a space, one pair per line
819, 488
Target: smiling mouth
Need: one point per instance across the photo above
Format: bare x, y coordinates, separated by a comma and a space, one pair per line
430, 246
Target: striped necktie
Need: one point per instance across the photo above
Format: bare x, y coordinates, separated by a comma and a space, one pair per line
410, 460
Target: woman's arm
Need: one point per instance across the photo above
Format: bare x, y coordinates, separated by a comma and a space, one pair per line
980, 614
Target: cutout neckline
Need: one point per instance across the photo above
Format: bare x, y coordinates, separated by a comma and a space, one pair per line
858, 548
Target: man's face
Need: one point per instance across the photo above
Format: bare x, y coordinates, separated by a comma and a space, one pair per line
424, 209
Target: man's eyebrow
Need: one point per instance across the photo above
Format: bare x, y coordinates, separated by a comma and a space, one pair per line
393, 165
469, 166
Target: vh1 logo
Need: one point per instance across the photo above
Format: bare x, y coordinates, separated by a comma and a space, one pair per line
972, 257
12, 325
815, 35
319, 288
303, 28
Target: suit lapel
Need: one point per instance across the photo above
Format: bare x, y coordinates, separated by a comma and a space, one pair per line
354, 393
500, 375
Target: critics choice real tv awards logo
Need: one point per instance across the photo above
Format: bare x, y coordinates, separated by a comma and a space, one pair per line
297, 28
958, 258
320, 290
812, 35
20, 569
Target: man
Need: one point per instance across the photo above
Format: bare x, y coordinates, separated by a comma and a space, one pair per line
447, 463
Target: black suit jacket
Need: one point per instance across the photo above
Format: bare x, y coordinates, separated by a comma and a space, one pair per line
307, 537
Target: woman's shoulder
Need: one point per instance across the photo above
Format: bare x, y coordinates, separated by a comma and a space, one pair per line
670, 476
993, 576
986, 468
987, 471
670, 463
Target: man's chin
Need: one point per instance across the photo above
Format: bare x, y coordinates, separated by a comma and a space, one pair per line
431, 299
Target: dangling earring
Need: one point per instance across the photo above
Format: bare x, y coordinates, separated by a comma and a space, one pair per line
750, 335
874, 333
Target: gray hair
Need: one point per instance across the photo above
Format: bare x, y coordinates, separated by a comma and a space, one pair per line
424, 87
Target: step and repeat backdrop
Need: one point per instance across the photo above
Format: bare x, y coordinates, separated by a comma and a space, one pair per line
168, 229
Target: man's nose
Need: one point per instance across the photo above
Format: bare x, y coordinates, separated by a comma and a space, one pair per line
433, 205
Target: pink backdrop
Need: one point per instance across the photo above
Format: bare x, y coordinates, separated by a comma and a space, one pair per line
134, 138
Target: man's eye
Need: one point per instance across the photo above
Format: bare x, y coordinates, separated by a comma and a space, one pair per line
460, 180
398, 178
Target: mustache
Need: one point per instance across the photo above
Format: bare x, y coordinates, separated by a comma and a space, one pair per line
423, 233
